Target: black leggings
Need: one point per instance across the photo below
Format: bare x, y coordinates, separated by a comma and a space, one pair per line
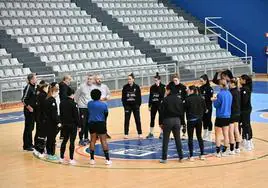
51, 138
69, 132
84, 123
154, 110
40, 137
136, 112
197, 125
246, 125
207, 123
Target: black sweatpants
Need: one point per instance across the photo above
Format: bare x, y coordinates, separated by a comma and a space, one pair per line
171, 125
207, 123
40, 136
52, 132
84, 123
197, 126
154, 110
136, 112
69, 132
246, 125
183, 124
28, 129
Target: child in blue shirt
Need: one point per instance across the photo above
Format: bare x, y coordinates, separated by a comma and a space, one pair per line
223, 105
97, 115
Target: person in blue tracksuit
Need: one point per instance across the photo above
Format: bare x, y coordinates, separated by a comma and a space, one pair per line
97, 116
223, 104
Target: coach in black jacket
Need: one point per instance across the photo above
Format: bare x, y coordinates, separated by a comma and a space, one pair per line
171, 110
29, 101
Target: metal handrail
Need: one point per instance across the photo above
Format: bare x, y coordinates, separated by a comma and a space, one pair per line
227, 34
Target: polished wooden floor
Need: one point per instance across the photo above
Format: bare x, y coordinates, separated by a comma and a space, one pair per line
21, 169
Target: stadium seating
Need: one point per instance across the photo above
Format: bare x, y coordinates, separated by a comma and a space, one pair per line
164, 29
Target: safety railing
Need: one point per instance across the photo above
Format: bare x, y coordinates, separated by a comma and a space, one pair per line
210, 66
226, 36
117, 77
10, 84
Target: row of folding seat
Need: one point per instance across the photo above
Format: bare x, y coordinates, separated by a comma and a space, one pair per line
142, 19
36, 0
141, 12
4, 54
68, 38
139, 5
14, 72
42, 13
57, 30
160, 26
214, 64
124, 0
10, 62
37, 5
22, 22
79, 46
191, 49
202, 56
101, 65
180, 41
91, 55
163, 34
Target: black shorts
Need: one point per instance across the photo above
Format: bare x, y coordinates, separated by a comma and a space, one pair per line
222, 122
234, 118
97, 127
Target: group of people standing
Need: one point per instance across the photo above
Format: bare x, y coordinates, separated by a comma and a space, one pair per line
58, 108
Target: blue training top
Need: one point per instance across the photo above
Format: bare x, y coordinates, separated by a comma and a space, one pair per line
97, 111
223, 104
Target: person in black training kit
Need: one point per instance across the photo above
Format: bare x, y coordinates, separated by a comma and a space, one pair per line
64, 85
29, 102
97, 118
156, 96
181, 92
224, 74
69, 115
206, 92
131, 99
195, 108
171, 110
246, 108
52, 122
40, 134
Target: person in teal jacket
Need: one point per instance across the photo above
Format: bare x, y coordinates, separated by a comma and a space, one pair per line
223, 104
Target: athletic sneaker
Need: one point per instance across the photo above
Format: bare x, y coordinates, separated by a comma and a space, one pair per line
237, 150
72, 162
36, 153
225, 154
150, 136
161, 136
61, 160
251, 144
108, 162
140, 136
126, 136
202, 157
52, 158
232, 152
191, 159
92, 162
163, 161
183, 137
42, 155
218, 155
247, 145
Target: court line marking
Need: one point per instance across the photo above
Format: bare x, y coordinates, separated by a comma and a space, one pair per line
163, 168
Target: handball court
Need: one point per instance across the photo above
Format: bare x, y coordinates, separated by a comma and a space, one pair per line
140, 168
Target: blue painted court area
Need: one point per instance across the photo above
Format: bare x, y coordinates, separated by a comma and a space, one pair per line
259, 102
149, 149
